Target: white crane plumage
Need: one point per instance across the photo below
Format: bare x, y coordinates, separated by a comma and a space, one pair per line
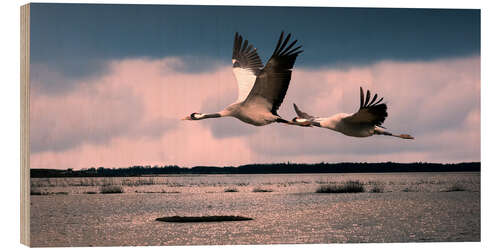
367, 121
261, 90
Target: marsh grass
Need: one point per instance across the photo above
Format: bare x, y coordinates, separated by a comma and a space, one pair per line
104, 181
413, 188
261, 190
157, 192
36, 191
190, 219
345, 187
112, 189
377, 188
455, 187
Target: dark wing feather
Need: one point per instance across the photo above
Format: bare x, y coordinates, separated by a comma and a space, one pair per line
245, 56
302, 114
367, 98
272, 82
370, 111
373, 100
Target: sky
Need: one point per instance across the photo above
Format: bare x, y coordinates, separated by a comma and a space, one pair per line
109, 84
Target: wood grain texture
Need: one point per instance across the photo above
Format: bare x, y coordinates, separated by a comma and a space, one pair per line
25, 104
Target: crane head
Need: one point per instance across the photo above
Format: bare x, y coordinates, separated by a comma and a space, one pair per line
193, 117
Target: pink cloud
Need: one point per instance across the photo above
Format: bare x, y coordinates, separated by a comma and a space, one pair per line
130, 115
193, 145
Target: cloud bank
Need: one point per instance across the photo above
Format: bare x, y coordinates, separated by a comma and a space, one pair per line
130, 114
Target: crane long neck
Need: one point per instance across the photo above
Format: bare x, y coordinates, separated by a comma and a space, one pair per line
214, 115
198, 116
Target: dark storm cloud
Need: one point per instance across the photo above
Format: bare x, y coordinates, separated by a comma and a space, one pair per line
74, 38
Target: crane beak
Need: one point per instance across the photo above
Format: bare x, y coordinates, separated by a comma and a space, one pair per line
187, 118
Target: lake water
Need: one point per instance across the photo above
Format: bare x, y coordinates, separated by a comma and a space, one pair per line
412, 207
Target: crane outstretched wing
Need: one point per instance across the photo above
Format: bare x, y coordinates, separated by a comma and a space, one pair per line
246, 66
371, 111
273, 80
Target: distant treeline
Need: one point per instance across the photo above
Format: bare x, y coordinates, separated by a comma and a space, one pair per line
274, 168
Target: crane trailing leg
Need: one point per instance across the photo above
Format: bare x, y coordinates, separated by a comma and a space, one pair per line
381, 131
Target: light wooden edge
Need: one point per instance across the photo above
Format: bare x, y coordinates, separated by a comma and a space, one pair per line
25, 105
